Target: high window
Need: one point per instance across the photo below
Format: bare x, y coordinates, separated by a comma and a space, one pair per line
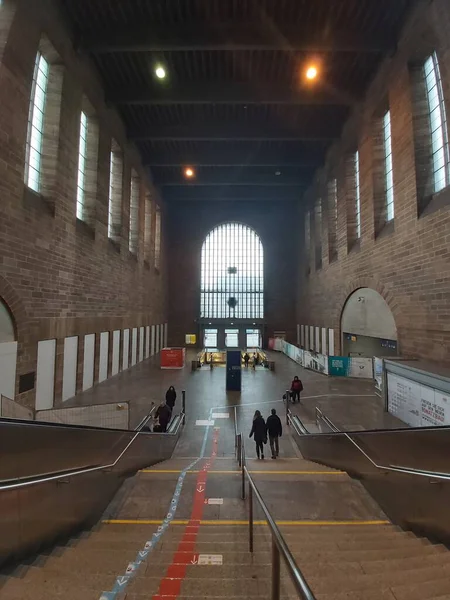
115, 193
157, 238
318, 233
135, 187
36, 119
388, 169
332, 219
232, 274
438, 124
82, 159
357, 197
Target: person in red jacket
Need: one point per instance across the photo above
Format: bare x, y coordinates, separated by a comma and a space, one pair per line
296, 388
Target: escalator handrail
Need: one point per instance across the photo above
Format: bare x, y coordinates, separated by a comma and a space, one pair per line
22, 482
392, 468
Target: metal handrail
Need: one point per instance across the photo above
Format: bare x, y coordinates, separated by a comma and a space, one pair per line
72, 473
279, 546
393, 468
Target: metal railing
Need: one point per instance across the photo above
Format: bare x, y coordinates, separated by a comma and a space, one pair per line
296, 423
279, 547
179, 419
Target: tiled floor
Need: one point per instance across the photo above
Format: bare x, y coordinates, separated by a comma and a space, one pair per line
350, 403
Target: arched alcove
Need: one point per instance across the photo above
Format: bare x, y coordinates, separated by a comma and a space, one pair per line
7, 328
8, 352
367, 325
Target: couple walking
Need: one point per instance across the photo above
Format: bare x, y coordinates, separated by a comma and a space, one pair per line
261, 428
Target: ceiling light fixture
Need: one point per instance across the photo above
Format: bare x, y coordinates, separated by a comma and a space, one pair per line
189, 172
160, 72
311, 72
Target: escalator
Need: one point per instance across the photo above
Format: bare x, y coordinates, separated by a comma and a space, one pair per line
407, 471
56, 479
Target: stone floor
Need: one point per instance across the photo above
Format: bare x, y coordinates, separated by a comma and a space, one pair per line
350, 403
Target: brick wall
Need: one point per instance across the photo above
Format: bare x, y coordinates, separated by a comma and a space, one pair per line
62, 277
407, 261
190, 223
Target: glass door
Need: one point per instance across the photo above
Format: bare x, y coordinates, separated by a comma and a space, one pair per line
253, 338
231, 338
210, 338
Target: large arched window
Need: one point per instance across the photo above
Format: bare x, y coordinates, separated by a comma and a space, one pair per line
232, 277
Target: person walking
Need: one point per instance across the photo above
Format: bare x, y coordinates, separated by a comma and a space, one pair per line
246, 359
296, 388
275, 431
171, 397
259, 431
163, 415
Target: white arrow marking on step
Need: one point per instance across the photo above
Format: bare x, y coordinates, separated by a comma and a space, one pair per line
200, 489
160, 528
122, 580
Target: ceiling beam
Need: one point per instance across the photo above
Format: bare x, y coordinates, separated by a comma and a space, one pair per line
218, 132
230, 37
242, 155
230, 93
227, 192
235, 178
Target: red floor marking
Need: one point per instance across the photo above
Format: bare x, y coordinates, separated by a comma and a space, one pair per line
170, 586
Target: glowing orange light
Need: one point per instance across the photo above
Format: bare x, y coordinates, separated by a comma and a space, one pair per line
311, 72
189, 172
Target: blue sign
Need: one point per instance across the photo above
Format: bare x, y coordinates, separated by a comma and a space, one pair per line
338, 366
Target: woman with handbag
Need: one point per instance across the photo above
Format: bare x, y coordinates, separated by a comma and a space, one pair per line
259, 431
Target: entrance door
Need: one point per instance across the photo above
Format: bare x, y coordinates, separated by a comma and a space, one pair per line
210, 338
253, 338
231, 338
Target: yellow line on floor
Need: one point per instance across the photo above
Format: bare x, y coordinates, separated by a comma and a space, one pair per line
252, 472
225, 522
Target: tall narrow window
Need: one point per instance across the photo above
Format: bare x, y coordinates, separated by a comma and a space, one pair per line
115, 193
148, 228
318, 233
232, 274
82, 158
36, 117
357, 197
332, 219
388, 169
438, 123
157, 238
135, 186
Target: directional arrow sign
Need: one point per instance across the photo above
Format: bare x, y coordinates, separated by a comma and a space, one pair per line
200, 489
194, 561
122, 580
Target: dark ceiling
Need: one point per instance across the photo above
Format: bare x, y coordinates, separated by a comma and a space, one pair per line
235, 105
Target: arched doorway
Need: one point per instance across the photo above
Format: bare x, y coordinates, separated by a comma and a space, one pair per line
367, 325
8, 352
232, 287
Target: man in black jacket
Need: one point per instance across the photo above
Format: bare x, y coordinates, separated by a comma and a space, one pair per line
275, 430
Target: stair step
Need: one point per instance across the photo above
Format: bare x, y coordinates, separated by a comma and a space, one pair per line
403, 564
424, 590
379, 580
297, 545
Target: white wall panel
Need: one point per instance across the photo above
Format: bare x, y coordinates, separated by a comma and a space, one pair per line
302, 335
153, 338
134, 346
8, 364
45, 379
147, 341
70, 368
103, 358
141, 344
311, 338
317, 344
115, 352
88, 361
306, 337
157, 339
324, 341
331, 342
126, 349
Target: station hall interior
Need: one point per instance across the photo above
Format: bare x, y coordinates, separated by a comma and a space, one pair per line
219, 197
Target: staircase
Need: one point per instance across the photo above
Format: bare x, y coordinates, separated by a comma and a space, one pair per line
340, 563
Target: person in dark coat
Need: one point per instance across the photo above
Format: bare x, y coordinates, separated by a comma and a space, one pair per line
163, 415
171, 396
296, 389
275, 430
259, 431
